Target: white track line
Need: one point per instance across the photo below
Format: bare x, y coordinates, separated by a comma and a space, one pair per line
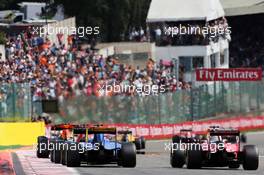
73, 171
157, 141
255, 133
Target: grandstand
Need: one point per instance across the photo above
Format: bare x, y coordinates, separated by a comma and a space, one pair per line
50, 71
191, 50
242, 7
246, 19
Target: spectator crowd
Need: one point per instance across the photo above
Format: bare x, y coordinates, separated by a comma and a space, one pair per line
189, 33
64, 71
247, 45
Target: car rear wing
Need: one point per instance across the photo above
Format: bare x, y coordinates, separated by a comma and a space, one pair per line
186, 130
124, 132
94, 130
225, 132
62, 127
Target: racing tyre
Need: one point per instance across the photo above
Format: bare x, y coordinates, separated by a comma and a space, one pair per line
57, 153
51, 146
128, 155
63, 155
251, 157
143, 142
72, 157
51, 156
194, 158
177, 158
42, 147
138, 143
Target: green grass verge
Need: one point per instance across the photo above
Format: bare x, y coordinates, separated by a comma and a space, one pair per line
9, 147
14, 119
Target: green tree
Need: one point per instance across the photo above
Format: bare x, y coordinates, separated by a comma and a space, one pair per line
2, 38
116, 18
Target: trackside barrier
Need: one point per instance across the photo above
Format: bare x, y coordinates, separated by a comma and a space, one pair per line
164, 131
20, 133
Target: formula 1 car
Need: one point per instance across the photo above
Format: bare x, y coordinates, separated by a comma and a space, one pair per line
45, 146
185, 136
221, 148
127, 136
97, 145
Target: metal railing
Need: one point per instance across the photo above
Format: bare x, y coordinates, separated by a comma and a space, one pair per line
219, 99
15, 102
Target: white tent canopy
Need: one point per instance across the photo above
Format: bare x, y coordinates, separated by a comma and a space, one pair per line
243, 7
184, 10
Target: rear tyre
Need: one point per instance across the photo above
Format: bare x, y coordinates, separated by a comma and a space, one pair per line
177, 158
63, 155
57, 152
251, 157
42, 147
194, 158
128, 155
138, 144
143, 142
51, 156
72, 156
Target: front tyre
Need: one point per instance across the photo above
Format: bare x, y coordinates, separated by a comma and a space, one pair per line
251, 157
177, 158
43, 147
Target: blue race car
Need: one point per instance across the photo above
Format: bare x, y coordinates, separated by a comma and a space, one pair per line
97, 145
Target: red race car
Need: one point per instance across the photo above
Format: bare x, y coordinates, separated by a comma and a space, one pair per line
220, 148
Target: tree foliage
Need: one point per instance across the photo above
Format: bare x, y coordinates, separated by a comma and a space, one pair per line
116, 18
2, 38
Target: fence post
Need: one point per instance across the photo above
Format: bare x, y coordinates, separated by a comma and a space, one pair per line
1, 109
224, 93
258, 97
137, 109
159, 109
215, 111
13, 101
30, 100
207, 100
191, 105
200, 106
240, 97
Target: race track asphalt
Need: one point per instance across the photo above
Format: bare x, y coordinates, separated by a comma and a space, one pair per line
154, 162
